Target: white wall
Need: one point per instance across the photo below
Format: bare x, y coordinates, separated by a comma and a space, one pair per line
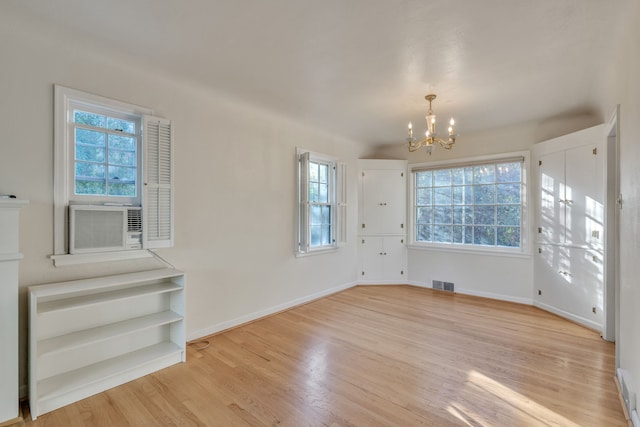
234, 175
624, 88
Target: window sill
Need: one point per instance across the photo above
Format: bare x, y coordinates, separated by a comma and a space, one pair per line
77, 259
316, 252
470, 250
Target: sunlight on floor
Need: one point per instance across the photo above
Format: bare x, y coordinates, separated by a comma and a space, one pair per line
524, 412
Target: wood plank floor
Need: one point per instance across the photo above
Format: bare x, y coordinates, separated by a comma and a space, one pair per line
377, 356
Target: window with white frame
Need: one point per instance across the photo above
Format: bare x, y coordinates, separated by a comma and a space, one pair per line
106, 154
475, 204
111, 155
321, 203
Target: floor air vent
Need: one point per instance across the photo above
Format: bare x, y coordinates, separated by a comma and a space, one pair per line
443, 286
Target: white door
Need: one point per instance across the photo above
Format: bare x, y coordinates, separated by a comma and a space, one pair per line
383, 202
551, 214
569, 281
371, 256
394, 259
584, 196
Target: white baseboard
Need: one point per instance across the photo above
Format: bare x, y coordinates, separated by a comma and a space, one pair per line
580, 320
219, 327
500, 297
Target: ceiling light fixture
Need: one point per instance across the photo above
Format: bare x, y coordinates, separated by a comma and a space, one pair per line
430, 136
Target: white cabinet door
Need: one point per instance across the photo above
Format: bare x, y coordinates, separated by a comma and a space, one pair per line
569, 282
383, 259
571, 197
584, 196
383, 202
551, 214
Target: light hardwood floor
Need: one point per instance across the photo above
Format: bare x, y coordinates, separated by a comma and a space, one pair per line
377, 356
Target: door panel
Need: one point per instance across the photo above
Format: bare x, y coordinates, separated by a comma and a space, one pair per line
551, 216
383, 202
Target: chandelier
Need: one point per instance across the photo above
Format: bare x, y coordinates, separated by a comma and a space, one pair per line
430, 136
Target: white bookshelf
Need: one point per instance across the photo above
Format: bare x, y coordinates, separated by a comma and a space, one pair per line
87, 336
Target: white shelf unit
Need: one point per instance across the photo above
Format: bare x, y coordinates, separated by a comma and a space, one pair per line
87, 336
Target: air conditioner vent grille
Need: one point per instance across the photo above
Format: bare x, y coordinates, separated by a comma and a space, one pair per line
134, 220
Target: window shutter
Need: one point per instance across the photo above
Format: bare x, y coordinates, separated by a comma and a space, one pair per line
303, 208
341, 199
157, 209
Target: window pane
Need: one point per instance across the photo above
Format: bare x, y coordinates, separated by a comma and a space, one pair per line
509, 236
121, 125
90, 153
90, 170
97, 188
484, 236
509, 215
442, 215
313, 172
442, 233
423, 179
90, 119
126, 190
484, 194
508, 193
463, 195
424, 215
313, 191
463, 215
326, 234
423, 196
442, 177
484, 174
323, 193
122, 142
442, 196
124, 158
463, 234
484, 215
122, 173
424, 233
316, 215
90, 137
326, 214
316, 235
509, 172
323, 169
463, 176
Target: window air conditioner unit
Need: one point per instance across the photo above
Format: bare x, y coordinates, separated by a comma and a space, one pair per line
94, 228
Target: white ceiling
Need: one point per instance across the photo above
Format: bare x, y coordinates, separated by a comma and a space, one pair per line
361, 68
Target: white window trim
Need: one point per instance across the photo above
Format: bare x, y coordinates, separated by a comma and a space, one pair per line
63, 97
338, 190
525, 247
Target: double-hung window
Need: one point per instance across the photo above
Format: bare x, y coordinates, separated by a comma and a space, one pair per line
111, 155
106, 154
477, 204
321, 203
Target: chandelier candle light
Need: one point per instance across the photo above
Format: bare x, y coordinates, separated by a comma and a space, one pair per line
430, 136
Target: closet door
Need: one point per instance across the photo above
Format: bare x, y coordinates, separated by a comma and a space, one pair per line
551, 198
584, 197
383, 202
569, 282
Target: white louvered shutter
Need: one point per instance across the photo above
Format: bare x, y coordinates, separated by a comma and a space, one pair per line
303, 209
341, 200
157, 209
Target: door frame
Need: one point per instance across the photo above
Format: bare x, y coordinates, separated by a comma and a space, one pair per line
611, 303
